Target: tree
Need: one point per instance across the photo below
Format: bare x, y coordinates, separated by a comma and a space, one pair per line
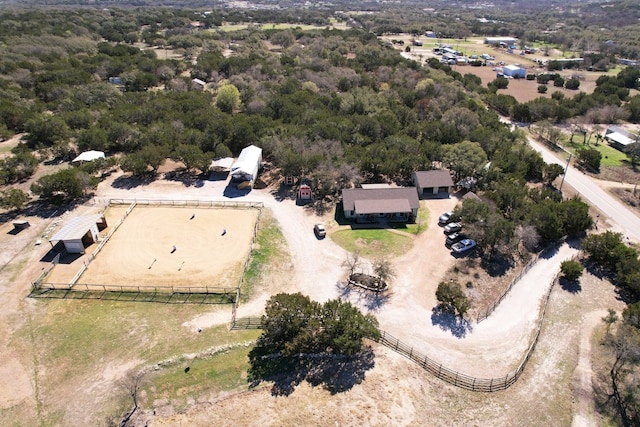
383, 268
590, 157
552, 171
572, 270
192, 157
576, 218
543, 88
145, 161
132, 383
294, 324
464, 159
572, 84
18, 167
228, 98
13, 198
46, 132
633, 150
499, 83
452, 298
63, 186
352, 263
601, 248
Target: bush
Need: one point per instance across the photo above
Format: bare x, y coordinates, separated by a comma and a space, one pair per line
542, 88
571, 270
452, 298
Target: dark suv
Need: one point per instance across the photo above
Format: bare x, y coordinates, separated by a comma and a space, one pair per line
453, 238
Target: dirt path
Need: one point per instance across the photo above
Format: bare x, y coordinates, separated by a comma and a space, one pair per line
582, 377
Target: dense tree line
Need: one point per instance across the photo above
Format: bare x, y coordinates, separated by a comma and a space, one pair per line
334, 107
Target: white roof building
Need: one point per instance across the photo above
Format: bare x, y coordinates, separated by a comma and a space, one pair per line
248, 163
89, 156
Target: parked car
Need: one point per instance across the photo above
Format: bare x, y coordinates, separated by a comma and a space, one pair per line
319, 230
446, 217
452, 227
454, 238
463, 245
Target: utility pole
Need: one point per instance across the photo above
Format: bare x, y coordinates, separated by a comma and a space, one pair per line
566, 168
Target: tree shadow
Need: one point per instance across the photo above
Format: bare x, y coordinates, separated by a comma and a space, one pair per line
372, 301
129, 182
232, 192
218, 175
550, 252
284, 192
335, 373
187, 178
572, 286
446, 320
497, 264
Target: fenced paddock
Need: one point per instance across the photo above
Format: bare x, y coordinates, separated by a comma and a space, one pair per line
212, 242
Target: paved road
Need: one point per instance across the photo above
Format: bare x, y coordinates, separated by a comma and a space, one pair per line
627, 222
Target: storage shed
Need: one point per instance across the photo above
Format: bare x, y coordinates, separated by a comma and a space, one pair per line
515, 71
248, 163
79, 232
304, 192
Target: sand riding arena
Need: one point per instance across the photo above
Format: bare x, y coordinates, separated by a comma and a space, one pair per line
163, 247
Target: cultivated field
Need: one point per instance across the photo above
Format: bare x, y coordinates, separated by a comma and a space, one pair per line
211, 247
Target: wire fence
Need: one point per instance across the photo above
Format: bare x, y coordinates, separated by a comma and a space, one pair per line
235, 204
153, 289
438, 369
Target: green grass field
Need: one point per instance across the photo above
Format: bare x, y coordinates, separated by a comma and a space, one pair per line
610, 156
372, 243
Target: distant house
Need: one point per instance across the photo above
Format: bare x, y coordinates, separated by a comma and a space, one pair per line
199, 84
619, 138
515, 71
435, 182
508, 41
395, 204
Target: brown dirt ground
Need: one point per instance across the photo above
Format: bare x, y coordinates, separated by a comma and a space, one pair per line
140, 251
521, 89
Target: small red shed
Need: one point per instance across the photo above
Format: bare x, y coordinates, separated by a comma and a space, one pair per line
304, 192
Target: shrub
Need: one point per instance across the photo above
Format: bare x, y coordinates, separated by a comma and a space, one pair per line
571, 270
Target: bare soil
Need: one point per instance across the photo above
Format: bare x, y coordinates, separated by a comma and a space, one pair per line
210, 248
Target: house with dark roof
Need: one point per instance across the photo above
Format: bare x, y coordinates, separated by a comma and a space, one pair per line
430, 183
375, 204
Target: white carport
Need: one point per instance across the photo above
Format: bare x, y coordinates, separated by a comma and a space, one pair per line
89, 156
78, 231
224, 163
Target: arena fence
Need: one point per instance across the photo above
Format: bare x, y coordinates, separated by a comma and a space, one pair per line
436, 368
40, 287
